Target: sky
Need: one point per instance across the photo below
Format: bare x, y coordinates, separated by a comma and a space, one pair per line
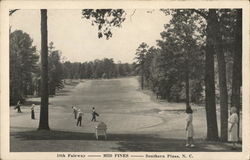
77, 39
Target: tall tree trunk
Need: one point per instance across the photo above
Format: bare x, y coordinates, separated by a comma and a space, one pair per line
39, 88
44, 113
187, 81
142, 77
237, 66
20, 87
212, 127
222, 76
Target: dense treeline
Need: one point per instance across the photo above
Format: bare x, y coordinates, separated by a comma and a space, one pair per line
23, 66
197, 59
55, 70
25, 75
105, 68
176, 67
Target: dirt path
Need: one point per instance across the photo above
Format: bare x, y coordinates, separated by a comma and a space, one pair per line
126, 110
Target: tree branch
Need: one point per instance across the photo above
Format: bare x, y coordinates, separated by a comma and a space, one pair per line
200, 13
12, 11
132, 14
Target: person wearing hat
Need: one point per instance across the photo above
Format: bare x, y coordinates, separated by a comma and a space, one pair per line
79, 118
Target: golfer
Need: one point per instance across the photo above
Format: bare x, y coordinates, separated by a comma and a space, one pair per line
94, 114
79, 118
18, 107
74, 111
32, 111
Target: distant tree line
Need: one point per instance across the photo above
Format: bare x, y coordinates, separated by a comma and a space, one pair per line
105, 68
25, 75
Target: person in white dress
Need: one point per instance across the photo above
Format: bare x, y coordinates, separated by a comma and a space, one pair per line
189, 128
233, 127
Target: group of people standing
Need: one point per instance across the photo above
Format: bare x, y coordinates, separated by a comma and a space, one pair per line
78, 114
232, 127
32, 109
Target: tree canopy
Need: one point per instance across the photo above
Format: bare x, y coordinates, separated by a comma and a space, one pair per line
105, 19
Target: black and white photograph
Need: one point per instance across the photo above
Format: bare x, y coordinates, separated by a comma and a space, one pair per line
106, 80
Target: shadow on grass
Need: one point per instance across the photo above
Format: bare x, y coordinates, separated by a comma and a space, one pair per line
63, 92
125, 142
30, 102
72, 83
